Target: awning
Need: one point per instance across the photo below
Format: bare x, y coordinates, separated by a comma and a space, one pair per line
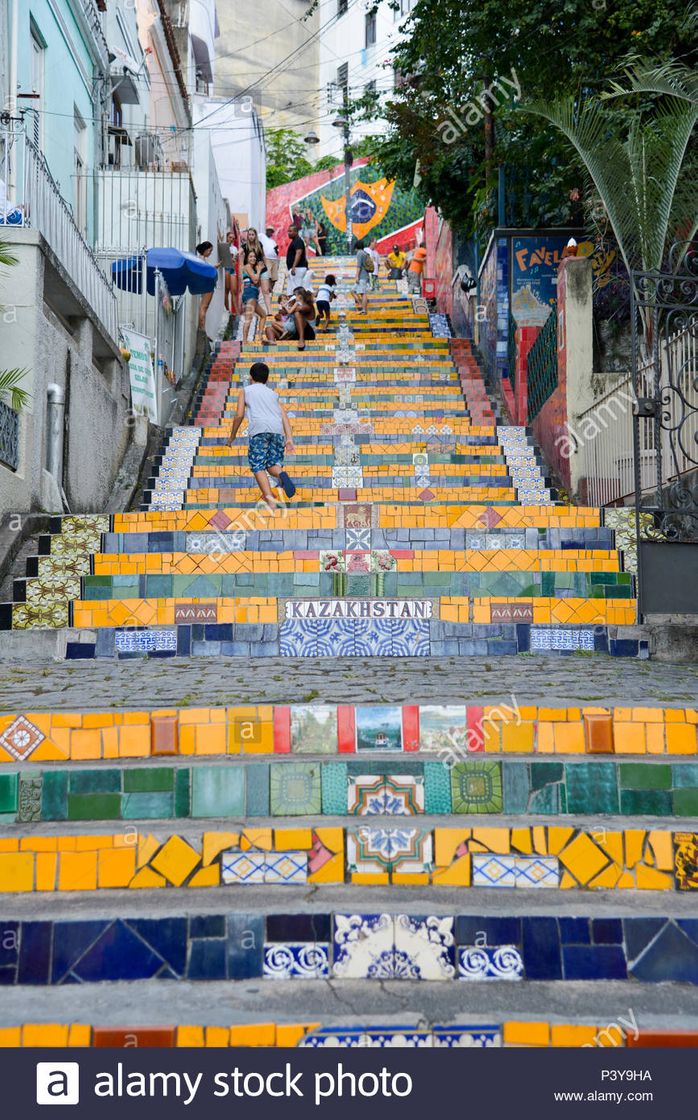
181, 272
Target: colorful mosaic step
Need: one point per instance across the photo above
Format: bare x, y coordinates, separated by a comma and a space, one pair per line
422, 525
363, 788
530, 857
514, 1032
461, 948
446, 733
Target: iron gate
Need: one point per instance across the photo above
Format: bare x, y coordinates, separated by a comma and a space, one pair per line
664, 317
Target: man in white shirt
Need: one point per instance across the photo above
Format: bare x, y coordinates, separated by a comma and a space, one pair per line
271, 255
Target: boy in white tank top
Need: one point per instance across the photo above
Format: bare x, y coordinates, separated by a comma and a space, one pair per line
269, 432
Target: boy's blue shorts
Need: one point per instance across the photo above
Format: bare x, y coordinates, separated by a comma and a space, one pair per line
266, 450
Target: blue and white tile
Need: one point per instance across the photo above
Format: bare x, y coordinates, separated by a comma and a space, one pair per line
468, 1037
537, 871
288, 868
424, 947
243, 868
145, 641
545, 638
363, 945
493, 871
410, 637
479, 962
296, 960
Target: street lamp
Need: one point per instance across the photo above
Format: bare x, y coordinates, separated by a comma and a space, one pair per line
311, 138
342, 122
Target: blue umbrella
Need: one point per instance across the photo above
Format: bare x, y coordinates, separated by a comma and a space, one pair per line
180, 271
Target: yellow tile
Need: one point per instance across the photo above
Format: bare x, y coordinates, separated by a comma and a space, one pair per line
254, 1034
649, 879
45, 1034
175, 860
16, 872
583, 858
457, 874
569, 738
680, 738
290, 1034
654, 736
217, 1036
663, 849
634, 845
189, 1036
86, 744
418, 879
46, 867
628, 738
545, 743
256, 838
116, 867
147, 878
332, 871
10, 1037
571, 1035
517, 737
370, 879
147, 847
446, 841
332, 838
557, 838
526, 1034
79, 1034
77, 871
216, 842
492, 840
290, 839
206, 877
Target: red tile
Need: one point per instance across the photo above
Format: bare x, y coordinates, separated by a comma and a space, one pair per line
475, 737
664, 1039
126, 1038
346, 729
402, 553
164, 735
347, 495
282, 730
410, 728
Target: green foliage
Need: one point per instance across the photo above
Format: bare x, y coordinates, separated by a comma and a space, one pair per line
10, 378
287, 159
549, 49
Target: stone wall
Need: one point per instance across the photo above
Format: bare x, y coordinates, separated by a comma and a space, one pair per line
47, 328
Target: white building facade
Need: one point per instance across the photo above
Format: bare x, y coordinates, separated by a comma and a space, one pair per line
355, 45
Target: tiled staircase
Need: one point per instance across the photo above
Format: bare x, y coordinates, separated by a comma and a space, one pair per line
240, 844
421, 525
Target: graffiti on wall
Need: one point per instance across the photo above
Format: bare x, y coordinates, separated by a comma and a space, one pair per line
381, 210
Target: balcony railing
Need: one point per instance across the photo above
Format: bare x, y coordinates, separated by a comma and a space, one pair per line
40, 206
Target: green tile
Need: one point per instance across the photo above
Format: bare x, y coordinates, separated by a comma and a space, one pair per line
653, 802
54, 796
550, 799
94, 807
146, 779
182, 792
9, 786
476, 787
335, 776
258, 789
295, 789
218, 791
684, 774
147, 806
543, 773
645, 775
95, 781
685, 802
592, 787
516, 787
437, 787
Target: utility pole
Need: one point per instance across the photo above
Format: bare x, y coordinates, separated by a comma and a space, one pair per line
348, 160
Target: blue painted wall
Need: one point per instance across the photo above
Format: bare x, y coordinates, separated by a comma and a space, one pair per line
70, 68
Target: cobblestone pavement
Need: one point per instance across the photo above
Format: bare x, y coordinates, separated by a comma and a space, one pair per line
187, 682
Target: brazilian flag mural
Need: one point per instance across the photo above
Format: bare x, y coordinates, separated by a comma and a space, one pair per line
380, 208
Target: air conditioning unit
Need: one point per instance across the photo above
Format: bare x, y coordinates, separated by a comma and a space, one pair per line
148, 152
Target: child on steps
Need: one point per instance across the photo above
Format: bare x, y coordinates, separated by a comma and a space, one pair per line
269, 433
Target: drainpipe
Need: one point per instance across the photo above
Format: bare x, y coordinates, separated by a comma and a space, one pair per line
55, 428
14, 51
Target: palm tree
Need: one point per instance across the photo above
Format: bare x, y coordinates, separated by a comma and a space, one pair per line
639, 169
10, 378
